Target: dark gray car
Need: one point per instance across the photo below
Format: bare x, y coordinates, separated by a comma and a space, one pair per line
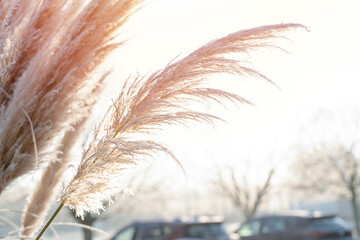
295, 227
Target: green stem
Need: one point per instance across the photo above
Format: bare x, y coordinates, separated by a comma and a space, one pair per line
50, 221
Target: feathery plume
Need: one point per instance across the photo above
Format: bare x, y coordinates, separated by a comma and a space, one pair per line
40, 199
49, 51
147, 104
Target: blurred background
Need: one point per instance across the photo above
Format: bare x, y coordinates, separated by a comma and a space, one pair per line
295, 149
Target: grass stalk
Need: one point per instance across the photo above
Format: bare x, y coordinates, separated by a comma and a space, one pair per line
50, 221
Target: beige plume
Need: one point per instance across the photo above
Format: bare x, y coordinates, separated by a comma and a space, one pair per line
49, 53
147, 104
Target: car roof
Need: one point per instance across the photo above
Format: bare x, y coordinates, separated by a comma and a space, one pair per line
302, 214
181, 220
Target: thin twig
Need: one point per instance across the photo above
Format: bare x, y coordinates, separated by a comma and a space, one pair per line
82, 226
27, 212
33, 138
9, 222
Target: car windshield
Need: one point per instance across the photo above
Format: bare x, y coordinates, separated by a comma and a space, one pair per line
207, 230
153, 231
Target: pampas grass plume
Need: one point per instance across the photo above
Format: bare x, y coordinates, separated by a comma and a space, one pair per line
145, 105
49, 53
48, 85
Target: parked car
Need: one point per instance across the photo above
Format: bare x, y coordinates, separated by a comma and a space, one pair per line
295, 226
194, 228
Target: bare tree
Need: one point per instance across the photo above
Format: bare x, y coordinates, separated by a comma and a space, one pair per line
245, 196
331, 164
332, 169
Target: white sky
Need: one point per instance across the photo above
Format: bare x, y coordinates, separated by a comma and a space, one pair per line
321, 70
